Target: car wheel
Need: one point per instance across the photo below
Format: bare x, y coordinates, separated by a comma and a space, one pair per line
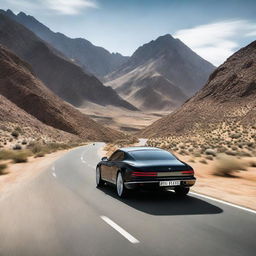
181, 191
99, 181
120, 188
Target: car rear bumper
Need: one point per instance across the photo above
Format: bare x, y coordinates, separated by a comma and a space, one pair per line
156, 183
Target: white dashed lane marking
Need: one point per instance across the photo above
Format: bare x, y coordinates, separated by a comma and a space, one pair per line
123, 232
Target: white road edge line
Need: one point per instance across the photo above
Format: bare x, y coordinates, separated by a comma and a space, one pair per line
82, 158
124, 233
224, 202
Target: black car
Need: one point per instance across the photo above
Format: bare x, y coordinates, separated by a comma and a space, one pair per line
144, 167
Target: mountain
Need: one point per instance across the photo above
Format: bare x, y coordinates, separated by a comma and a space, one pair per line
63, 77
93, 59
163, 61
19, 85
228, 97
11, 117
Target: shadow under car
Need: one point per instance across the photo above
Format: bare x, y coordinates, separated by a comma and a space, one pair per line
164, 202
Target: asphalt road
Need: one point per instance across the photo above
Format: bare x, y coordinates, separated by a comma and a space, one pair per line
61, 212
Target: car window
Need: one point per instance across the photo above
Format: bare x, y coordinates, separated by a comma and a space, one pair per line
152, 155
117, 156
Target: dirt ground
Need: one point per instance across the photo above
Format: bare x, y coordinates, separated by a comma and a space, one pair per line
240, 190
19, 174
122, 119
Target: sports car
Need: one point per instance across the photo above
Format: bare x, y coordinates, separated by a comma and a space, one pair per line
144, 167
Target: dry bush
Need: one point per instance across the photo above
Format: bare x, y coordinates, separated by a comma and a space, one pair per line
21, 156
16, 156
203, 161
40, 149
2, 169
6, 154
40, 154
226, 165
252, 163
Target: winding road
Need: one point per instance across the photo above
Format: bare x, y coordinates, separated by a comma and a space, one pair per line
61, 212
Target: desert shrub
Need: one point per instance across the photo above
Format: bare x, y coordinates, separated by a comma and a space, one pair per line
226, 165
203, 161
35, 147
244, 154
40, 154
231, 153
252, 163
210, 152
21, 156
17, 147
24, 142
2, 169
15, 134
209, 157
6, 154
183, 152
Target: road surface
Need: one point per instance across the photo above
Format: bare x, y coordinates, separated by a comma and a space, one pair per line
61, 212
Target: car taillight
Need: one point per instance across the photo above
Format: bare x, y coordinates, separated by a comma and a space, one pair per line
188, 172
144, 174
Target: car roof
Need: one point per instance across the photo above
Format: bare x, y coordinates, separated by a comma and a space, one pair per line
130, 149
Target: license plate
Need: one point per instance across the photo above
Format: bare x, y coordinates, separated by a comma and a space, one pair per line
170, 183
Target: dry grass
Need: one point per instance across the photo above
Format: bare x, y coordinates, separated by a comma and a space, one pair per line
227, 165
35, 149
2, 169
19, 156
41, 149
232, 139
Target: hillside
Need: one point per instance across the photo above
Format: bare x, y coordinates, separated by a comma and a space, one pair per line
228, 97
163, 61
12, 117
19, 85
63, 77
93, 59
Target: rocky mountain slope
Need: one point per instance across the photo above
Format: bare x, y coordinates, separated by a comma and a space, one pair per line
19, 85
163, 61
12, 117
93, 59
63, 77
228, 97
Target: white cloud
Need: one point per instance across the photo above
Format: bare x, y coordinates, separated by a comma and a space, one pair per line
216, 41
70, 6
64, 7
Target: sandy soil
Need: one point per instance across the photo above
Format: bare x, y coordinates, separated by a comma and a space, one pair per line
240, 190
21, 173
121, 119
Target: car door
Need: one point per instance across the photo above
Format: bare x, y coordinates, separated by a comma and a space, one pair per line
116, 165
107, 169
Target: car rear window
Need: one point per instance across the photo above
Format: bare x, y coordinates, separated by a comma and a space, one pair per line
151, 155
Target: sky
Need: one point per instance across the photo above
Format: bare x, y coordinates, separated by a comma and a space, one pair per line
214, 29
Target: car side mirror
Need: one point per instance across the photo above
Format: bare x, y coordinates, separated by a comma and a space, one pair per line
104, 158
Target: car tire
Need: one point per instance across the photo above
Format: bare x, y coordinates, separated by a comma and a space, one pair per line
181, 191
99, 181
121, 190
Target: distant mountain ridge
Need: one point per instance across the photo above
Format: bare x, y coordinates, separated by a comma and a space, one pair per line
19, 85
229, 96
166, 59
63, 77
93, 59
